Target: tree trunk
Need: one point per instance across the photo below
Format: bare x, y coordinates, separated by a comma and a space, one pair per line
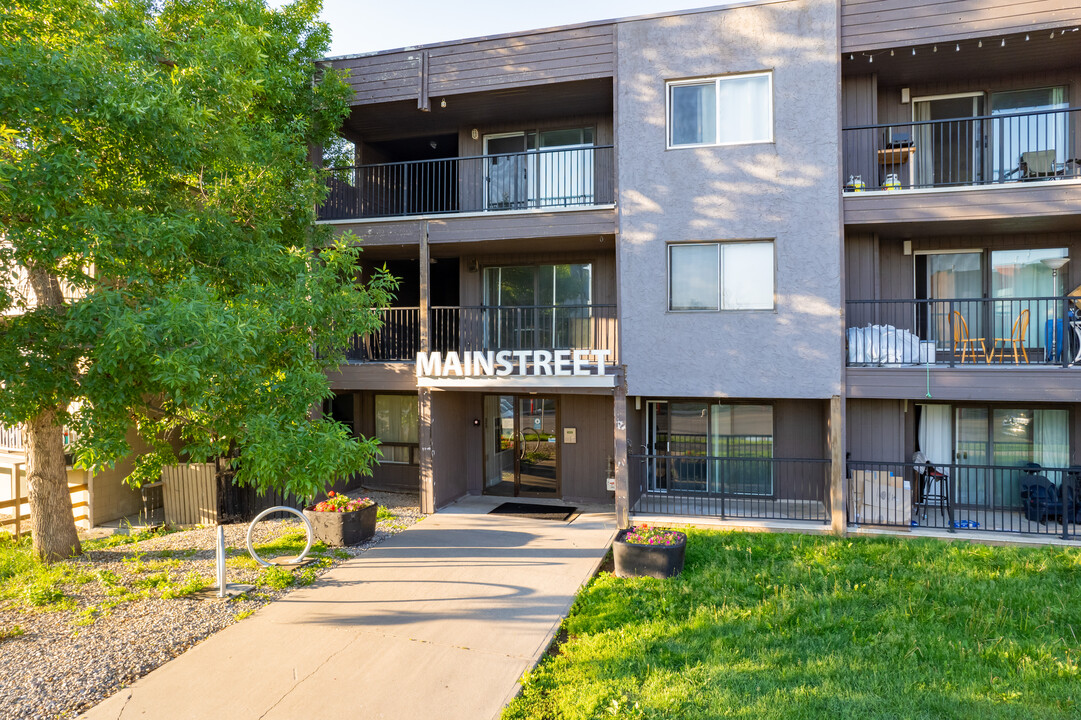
51, 520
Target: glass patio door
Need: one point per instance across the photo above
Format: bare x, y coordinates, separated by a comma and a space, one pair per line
506, 172
1030, 145
949, 150
562, 170
971, 435
950, 276
1017, 276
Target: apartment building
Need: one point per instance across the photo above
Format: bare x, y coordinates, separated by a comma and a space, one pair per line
741, 262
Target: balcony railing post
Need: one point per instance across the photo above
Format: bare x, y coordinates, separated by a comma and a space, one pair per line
953, 338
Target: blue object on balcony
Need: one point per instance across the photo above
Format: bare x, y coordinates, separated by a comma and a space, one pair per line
1054, 341
973, 524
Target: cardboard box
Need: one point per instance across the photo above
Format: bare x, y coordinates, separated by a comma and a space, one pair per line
883, 498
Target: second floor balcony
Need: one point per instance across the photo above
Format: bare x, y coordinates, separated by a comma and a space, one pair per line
1000, 333
962, 150
545, 179
488, 328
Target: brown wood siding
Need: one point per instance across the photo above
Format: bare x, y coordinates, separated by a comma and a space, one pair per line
567, 55
876, 430
859, 106
584, 465
895, 270
395, 376
514, 226
398, 232
972, 383
867, 24
799, 432
987, 205
451, 450
604, 273
890, 109
557, 56
861, 266
383, 78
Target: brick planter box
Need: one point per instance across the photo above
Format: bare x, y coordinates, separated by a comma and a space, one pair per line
657, 561
343, 528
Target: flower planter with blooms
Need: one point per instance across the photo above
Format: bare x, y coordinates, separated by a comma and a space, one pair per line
642, 551
339, 521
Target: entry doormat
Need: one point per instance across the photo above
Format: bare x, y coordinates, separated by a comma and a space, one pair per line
536, 511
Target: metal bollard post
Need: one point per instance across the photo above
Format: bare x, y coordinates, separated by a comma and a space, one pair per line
221, 561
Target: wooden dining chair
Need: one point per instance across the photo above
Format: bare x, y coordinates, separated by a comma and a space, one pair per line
1016, 339
963, 341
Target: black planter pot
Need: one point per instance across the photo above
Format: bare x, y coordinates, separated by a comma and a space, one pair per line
657, 561
346, 528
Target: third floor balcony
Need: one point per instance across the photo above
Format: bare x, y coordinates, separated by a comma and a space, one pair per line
578, 176
1007, 148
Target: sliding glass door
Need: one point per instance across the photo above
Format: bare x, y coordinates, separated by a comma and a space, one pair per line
1024, 145
949, 150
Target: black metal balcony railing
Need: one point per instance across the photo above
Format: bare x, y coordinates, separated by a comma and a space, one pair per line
398, 338
535, 327
988, 149
731, 487
984, 498
985, 331
535, 179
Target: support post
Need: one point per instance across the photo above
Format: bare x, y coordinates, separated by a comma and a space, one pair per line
838, 514
427, 454
18, 500
619, 423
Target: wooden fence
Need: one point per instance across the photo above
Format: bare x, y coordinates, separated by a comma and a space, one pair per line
190, 494
15, 507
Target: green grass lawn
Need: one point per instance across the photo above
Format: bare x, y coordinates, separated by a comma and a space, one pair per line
797, 626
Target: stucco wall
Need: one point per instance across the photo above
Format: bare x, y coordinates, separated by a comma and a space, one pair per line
785, 190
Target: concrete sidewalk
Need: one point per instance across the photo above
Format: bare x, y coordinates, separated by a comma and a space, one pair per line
439, 621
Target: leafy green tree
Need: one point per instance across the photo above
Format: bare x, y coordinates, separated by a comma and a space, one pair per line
159, 264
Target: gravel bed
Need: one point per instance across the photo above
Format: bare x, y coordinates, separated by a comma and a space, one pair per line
66, 662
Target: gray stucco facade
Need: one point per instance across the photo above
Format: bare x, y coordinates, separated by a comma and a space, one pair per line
784, 190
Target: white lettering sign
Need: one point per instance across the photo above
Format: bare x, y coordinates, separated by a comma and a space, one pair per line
512, 362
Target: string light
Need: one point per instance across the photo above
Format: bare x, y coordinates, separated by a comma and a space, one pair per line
891, 53
958, 48
913, 51
851, 56
980, 44
1003, 43
1026, 37
936, 48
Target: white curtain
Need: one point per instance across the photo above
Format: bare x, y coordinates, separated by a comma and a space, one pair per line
745, 109
934, 434
1050, 438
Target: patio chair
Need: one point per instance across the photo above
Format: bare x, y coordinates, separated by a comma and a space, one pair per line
962, 340
1016, 339
934, 486
1038, 164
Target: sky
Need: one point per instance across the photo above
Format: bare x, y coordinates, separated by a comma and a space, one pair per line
368, 25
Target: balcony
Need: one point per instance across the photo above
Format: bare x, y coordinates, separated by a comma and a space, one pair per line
738, 486
577, 177
983, 332
1021, 498
489, 328
997, 149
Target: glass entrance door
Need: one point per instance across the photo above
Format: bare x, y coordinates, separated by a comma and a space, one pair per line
521, 446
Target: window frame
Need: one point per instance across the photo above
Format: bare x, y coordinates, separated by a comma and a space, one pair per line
720, 244
414, 452
716, 80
